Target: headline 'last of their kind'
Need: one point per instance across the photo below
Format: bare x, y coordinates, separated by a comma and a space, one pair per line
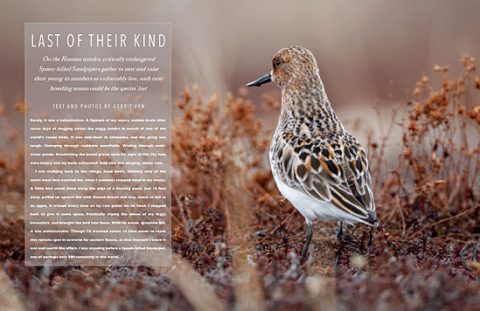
98, 40
317, 165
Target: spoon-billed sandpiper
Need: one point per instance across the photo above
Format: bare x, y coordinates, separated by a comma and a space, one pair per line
317, 165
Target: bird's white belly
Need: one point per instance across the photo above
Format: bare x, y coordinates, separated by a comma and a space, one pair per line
310, 208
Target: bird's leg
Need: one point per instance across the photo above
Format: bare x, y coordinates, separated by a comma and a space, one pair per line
340, 231
340, 240
370, 237
308, 238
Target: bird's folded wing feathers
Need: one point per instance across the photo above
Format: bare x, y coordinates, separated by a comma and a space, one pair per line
337, 174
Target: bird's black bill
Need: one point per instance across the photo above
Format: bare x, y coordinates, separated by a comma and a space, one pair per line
262, 80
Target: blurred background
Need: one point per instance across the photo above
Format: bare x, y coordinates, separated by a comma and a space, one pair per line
367, 51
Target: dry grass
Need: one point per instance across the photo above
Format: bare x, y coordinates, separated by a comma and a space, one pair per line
236, 240
436, 179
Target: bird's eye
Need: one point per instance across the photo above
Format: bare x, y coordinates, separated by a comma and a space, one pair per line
277, 62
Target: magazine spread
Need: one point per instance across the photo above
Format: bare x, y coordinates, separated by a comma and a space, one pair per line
239, 155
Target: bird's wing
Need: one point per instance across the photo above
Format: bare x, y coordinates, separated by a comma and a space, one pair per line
328, 170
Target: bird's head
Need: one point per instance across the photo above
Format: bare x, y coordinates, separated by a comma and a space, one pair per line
289, 66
